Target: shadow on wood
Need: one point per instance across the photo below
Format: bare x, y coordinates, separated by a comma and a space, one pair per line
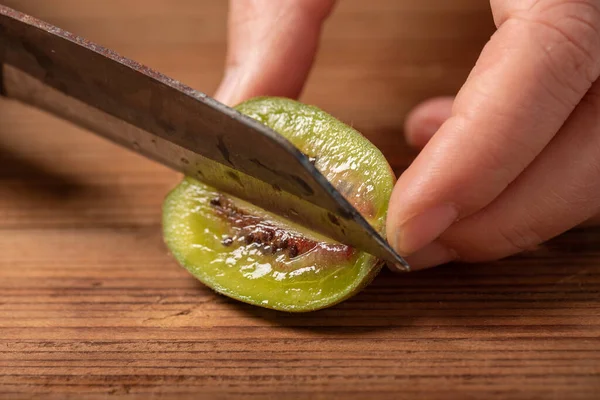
35, 194
25, 177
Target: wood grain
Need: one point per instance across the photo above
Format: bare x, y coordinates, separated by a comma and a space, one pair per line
92, 305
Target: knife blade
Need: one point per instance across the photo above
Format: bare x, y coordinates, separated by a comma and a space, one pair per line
184, 129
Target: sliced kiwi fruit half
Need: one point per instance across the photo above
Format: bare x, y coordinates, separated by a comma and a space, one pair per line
257, 257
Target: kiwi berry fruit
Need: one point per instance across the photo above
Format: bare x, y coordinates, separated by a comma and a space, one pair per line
249, 254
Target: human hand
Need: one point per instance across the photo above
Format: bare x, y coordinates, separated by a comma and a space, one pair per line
514, 159
510, 163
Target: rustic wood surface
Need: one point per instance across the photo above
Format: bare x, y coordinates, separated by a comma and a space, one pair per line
91, 302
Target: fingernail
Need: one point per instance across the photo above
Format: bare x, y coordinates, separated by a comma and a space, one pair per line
228, 87
424, 228
434, 254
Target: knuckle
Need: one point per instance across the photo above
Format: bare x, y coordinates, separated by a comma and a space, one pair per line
494, 151
518, 238
570, 35
504, 10
490, 243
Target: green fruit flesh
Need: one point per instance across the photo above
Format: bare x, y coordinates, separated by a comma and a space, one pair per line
260, 258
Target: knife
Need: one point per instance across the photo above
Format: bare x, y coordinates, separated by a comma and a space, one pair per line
164, 120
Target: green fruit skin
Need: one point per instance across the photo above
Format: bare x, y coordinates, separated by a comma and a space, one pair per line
194, 233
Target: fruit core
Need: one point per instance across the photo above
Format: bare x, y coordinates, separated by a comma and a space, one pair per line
248, 229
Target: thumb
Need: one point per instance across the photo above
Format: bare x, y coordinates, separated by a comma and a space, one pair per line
271, 48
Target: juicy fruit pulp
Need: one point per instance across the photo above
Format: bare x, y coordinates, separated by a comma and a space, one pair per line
260, 258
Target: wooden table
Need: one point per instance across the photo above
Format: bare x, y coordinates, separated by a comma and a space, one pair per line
92, 303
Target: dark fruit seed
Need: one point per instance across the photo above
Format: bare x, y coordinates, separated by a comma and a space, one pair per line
293, 251
215, 202
228, 241
270, 235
